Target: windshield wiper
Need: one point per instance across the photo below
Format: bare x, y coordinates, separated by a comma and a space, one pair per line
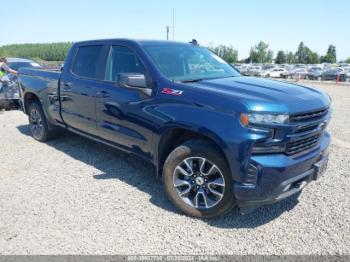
192, 80
201, 79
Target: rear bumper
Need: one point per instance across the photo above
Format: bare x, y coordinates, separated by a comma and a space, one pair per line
280, 176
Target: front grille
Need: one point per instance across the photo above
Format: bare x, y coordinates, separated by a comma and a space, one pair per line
309, 115
296, 147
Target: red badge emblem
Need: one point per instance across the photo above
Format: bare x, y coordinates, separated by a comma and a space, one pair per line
173, 92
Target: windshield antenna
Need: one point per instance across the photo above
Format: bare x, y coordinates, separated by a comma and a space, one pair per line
194, 42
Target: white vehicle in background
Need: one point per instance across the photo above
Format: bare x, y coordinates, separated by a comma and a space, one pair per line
344, 65
254, 71
347, 75
276, 72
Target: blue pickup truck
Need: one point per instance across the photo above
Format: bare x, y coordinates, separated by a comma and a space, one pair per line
217, 139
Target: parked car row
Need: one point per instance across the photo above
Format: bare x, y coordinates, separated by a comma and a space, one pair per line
340, 72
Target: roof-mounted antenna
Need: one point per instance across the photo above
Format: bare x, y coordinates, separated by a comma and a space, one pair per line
194, 42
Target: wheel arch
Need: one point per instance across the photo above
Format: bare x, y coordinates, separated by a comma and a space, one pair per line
174, 136
29, 98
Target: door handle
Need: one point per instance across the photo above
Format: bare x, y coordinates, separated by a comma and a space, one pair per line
103, 94
67, 86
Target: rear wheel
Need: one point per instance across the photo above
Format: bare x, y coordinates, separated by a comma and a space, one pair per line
38, 124
197, 180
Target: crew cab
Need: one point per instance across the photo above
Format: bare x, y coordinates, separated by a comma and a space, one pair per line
217, 139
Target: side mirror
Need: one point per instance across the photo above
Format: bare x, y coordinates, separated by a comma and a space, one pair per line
132, 80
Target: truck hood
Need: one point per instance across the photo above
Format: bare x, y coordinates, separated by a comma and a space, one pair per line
264, 95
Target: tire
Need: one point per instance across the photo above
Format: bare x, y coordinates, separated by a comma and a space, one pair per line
38, 124
198, 185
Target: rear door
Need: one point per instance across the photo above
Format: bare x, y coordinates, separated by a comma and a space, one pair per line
79, 86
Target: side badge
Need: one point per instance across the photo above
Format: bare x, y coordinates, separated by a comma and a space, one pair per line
173, 92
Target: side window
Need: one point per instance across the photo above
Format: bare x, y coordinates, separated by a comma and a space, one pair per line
122, 60
86, 59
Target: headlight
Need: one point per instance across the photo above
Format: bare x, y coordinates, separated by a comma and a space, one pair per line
259, 118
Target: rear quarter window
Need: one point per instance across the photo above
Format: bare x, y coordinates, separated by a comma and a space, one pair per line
86, 61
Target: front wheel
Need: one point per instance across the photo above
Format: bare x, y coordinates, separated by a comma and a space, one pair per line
197, 180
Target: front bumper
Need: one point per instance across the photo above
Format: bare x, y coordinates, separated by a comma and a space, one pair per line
280, 176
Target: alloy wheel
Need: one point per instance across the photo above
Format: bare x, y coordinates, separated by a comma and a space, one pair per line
36, 124
199, 182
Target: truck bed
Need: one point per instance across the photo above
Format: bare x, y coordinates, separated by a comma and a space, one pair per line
46, 73
45, 83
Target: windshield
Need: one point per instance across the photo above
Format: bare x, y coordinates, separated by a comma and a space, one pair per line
182, 62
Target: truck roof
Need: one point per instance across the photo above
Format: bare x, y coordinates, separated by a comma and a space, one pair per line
128, 40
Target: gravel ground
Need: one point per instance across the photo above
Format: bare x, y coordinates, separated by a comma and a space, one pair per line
74, 196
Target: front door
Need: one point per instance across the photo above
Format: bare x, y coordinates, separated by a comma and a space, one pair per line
121, 115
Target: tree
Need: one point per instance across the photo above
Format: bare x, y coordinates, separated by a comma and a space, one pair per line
280, 58
314, 58
260, 53
228, 53
348, 60
332, 52
331, 56
302, 54
299, 54
48, 52
305, 56
290, 58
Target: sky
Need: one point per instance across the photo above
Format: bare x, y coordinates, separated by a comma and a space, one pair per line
240, 23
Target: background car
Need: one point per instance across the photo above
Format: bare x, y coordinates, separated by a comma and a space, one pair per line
274, 72
315, 73
347, 75
299, 73
254, 71
334, 74
9, 91
17, 63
